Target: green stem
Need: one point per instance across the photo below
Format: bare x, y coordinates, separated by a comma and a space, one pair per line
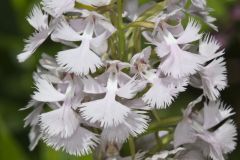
132, 147
144, 24
155, 114
83, 6
155, 126
155, 9
121, 37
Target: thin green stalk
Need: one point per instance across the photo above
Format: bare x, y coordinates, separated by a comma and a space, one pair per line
121, 37
132, 147
145, 24
155, 126
83, 6
155, 114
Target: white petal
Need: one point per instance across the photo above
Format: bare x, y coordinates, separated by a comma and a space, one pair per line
130, 89
196, 81
64, 32
107, 112
136, 103
191, 33
131, 9
226, 136
180, 84
215, 113
176, 30
135, 124
210, 21
162, 49
79, 144
78, 24
48, 62
46, 92
38, 19
144, 55
80, 60
123, 78
103, 24
99, 44
191, 105
180, 63
58, 7
61, 122
32, 44
184, 134
214, 78
32, 119
160, 95
31, 104
210, 48
92, 86
34, 136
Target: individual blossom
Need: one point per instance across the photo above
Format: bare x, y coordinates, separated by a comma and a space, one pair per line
212, 76
44, 24
175, 60
108, 111
39, 21
135, 124
200, 9
209, 129
32, 120
163, 88
95, 30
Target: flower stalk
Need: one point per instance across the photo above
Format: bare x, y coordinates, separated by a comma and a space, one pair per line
120, 32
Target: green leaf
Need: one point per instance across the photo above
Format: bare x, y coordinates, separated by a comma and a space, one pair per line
48, 153
9, 148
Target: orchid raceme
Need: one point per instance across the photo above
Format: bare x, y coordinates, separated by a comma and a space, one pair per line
121, 64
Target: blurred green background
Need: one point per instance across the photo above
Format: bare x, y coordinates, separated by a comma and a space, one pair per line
16, 79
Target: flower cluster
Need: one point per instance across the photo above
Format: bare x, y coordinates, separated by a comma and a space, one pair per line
100, 89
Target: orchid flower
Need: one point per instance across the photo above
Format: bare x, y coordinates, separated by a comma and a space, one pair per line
71, 59
200, 127
175, 60
163, 89
107, 111
121, 64
213, 75
39, 21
